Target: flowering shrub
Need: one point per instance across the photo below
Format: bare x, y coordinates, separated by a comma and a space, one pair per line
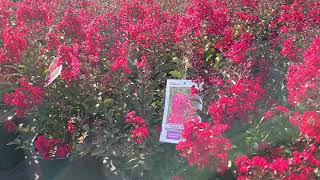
257, 63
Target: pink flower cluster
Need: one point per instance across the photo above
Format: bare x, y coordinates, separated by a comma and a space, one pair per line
204, 142
140, 131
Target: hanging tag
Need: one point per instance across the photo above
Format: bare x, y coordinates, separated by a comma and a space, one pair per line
181, 105
54, 72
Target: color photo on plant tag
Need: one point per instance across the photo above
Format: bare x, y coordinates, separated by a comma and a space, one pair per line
181, 104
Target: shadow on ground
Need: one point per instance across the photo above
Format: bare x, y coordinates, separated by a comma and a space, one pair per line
85, 169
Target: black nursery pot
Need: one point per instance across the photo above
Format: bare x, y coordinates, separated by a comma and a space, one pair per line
10, 156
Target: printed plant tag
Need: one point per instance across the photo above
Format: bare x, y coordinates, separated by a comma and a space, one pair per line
54, 72
180, 106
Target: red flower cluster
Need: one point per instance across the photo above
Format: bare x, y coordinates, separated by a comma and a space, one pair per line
238, 50
298, 166
267, 115
193, 91
308, 124
303, 80
203, 142
140, 130
14, 43
279, 109
236, 101
24, 97
50, 148
68, 56
294, 17
137, 26
289, 49
71, 126
249, 3
37, 14
203, 17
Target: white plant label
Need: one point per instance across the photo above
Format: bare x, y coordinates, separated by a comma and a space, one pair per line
54, 72
180, 106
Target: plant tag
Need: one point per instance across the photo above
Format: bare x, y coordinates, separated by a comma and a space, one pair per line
180, 106
54, 72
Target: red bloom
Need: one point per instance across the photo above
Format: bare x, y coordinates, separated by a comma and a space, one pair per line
249, 3
289, 49
71, 126
259, 161
310, 124
282, 109
237, 52
9, 126
193, 91
140, 130
267, 115
158, 128
24, 97
142, 62
280, 165
242, 163
131, 118
203, 142
235, 102
68, 56
140, 133
63, 151
50, 148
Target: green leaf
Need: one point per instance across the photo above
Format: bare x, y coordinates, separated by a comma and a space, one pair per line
217, 60
176, 74
176, 60
108, 101
209, 57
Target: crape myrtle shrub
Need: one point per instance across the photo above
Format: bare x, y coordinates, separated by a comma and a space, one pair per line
258, 63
